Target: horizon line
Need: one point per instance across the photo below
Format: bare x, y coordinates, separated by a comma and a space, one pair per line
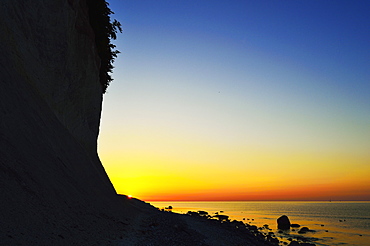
328, 200
257, 200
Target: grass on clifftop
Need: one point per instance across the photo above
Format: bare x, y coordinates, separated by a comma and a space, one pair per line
105, 30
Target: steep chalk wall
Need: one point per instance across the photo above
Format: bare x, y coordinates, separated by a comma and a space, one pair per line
51, 45
51, 178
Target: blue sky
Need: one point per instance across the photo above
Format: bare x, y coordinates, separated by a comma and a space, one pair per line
270, 76
227, 42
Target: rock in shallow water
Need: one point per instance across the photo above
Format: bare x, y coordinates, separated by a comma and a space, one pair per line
304, 230
283, 222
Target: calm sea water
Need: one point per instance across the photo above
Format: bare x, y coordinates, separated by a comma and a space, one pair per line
333, 223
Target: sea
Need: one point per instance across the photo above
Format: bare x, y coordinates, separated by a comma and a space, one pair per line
330, 223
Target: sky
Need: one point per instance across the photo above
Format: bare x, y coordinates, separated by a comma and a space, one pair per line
239, 100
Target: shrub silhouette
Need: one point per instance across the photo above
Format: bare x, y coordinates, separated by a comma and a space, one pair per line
105, 30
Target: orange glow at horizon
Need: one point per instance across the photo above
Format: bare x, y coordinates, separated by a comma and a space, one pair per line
162, 166
302, 193
156, 178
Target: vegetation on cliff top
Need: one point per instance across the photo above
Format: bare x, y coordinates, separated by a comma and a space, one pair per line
105, 30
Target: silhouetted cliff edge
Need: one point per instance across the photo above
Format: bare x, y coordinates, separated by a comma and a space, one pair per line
54, 189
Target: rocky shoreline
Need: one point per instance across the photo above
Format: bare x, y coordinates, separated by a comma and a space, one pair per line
163, 227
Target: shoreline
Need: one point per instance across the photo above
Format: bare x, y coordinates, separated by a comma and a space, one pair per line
166, 227
160, 227
329, 223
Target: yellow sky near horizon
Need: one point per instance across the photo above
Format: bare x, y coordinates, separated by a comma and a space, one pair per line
160, 170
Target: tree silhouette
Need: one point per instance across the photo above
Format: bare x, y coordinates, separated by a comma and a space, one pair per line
105, 30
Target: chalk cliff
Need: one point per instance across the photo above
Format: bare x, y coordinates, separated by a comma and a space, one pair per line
51, 177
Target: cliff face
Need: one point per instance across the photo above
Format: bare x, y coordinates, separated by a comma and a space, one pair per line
50, 45
50, 105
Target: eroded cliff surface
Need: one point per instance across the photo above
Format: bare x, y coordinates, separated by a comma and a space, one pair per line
51, 178
50, 45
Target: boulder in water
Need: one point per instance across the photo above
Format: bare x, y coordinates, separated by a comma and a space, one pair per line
283, 222
303, 230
